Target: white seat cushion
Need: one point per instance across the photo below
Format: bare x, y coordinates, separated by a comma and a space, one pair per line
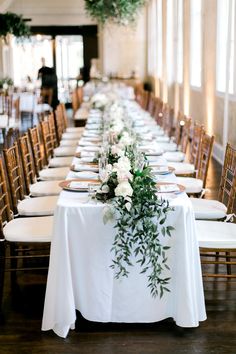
50, 174
175, 156
216, 234
206, 209
38, 229
68, 143
45, 188
182, 168
64, 151
60, 161
192, 185
71, 136
40, 206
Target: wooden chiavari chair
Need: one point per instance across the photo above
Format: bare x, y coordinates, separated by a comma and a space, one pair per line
22, 205
196, 185
21, 238
206, 209
45, 174
216, 239
47, 128
31, 168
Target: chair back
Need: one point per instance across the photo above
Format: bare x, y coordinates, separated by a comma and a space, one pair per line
5, 212
195, 146
14, 173
27, 162
47, 140
227, 192
185, 135
37, 149
52, 128
204, 157
60, 123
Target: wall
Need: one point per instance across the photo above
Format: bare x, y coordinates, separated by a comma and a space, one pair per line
123, 49
204, 105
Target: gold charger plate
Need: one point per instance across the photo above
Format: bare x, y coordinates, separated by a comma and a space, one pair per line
181, 188
66, 184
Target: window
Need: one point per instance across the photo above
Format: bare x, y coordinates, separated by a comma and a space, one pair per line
179, 40
159, 38
169, 41
225, 69
195, 43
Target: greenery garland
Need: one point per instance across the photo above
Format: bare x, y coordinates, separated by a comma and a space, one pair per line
117, 11
11, 23
140, 221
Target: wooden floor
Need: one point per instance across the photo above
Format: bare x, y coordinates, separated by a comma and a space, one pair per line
23, 307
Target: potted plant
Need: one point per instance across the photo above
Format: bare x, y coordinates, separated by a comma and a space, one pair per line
11, 23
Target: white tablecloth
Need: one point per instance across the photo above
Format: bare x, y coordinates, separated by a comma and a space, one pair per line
80, 276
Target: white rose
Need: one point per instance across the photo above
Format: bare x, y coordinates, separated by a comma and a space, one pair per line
128, 206
124, 189
124, 175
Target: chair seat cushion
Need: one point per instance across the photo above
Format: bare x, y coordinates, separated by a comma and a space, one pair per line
192, 185
34, 229
40, 206
64, 151
175, 156
50, 174
208, 209
68, 143
60, 161
216, 234
182, 168
42, 188
71, 136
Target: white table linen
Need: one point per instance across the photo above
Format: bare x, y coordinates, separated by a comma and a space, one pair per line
80, 277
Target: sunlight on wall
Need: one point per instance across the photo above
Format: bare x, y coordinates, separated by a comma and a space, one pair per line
210, 107
186, 99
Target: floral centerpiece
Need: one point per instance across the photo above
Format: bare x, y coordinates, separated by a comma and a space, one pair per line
129, 190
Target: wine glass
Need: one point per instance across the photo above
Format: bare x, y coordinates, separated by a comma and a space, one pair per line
102, 164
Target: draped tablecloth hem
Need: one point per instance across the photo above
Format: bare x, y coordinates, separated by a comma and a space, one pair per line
63, 330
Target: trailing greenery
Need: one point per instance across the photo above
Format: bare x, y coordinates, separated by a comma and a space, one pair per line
140, 221
117, 11
11, 23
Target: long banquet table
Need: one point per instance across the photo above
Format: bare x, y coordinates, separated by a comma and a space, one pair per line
80, 277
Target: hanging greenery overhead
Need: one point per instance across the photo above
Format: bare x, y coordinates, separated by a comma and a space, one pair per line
11, 23
117, 11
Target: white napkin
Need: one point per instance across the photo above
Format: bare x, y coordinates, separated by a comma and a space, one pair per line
168, 188
161, 169
78, 167
86, 175
87, 154
91, 148
78, 185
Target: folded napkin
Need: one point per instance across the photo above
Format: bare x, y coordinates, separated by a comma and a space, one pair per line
87, 154
86, 175
78, 167
91, 148
163, 188
88, 143
79, 185
160, 169
87, 159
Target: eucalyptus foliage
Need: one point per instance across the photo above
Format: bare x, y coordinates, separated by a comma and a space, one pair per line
140, 223
117, 11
